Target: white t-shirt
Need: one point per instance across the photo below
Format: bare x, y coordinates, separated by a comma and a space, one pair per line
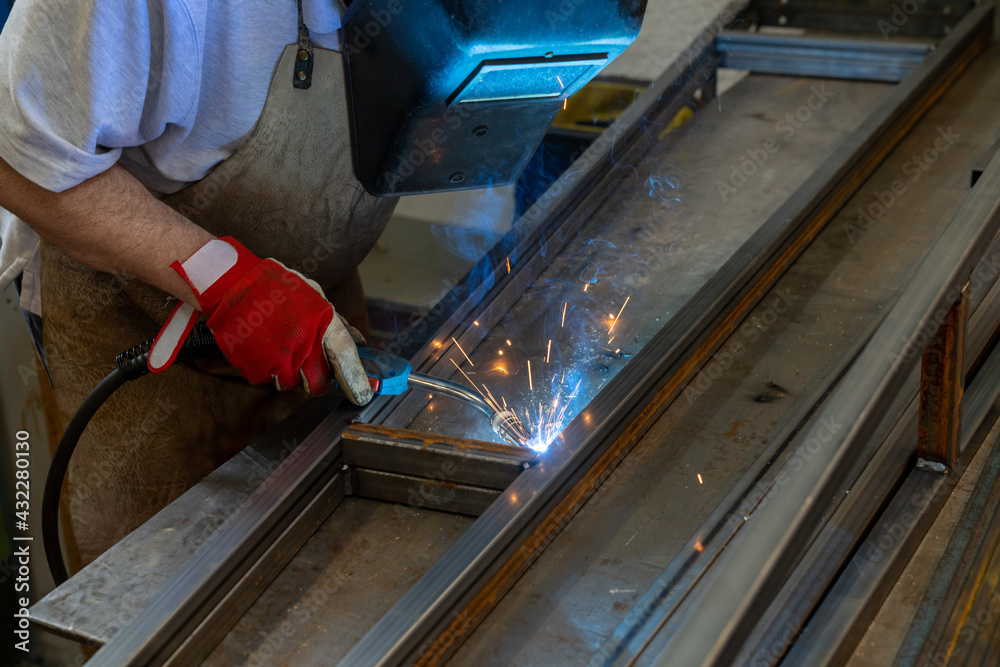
166, 88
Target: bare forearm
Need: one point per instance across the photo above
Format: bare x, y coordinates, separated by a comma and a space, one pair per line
110, 222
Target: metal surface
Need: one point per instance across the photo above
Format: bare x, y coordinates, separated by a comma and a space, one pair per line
942, 380
851, 263
743, 586
852, 603
950, 621
441, 458
883, 469
820, 56
346, 577
224, 615
422, 492
209, 575
102, 598
494, 539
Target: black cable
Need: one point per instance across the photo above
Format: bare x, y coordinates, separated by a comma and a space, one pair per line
131, 365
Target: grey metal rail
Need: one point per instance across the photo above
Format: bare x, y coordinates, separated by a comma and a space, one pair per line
751, 573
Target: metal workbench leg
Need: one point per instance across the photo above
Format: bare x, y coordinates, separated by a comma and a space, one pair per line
941, 385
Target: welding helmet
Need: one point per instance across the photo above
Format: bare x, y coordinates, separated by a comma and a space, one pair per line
457, 94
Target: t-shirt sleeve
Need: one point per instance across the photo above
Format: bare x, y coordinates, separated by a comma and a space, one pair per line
81, 79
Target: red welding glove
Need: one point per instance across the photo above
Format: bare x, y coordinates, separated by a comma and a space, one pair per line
272, 323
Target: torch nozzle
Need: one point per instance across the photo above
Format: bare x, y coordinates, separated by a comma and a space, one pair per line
509, 427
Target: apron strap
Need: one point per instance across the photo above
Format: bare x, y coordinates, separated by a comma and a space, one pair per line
302, 77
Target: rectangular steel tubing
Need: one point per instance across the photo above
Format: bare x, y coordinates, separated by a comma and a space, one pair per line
750, 574
451, 597
441, 458
421, 492
883, 473
940, 628
941, 384
678, 579
849, 607
819, 56
210, 574
842, 529
230, 608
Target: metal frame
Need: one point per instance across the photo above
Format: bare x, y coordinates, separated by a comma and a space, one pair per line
450, 599
743, 586
853, 601
452, 596
838, 547
820, 56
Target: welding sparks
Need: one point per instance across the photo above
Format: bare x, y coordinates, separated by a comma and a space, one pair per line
585, 286
531, 386
565, 101
548, 352
508, 265
563, 322
699, 479
547, 424
613, 323
561, 84
462, 351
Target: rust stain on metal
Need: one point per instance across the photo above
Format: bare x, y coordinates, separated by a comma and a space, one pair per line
465, 621
941, 387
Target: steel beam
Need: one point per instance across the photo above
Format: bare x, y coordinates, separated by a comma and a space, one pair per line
884, 472
941, 384
820, 56
844, 616
210, 575
241, 596
440, 458
421, 492
753, 570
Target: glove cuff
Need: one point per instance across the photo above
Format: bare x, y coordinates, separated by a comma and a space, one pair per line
214, 268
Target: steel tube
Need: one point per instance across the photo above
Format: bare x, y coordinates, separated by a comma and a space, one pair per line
818, 56
743, 586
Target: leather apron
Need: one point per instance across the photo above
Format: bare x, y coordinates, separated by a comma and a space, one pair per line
289, 193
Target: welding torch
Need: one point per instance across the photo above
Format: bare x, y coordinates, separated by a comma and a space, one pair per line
390, 375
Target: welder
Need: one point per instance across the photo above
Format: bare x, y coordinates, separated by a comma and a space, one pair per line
171, 160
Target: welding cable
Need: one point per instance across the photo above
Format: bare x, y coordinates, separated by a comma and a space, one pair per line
131, 365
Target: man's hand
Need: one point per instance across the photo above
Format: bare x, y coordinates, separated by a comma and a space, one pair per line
272, 323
